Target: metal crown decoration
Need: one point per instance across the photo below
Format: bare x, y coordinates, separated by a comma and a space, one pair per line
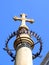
23, 34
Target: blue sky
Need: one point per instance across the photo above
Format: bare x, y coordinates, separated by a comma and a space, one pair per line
35, 9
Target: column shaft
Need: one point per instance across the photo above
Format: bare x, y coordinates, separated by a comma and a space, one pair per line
24, 56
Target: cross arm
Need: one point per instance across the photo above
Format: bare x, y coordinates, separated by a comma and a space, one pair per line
16, 18
30, 20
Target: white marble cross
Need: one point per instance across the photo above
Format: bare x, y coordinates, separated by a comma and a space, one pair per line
23, 19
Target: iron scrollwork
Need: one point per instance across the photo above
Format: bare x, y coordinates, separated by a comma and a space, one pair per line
21, 32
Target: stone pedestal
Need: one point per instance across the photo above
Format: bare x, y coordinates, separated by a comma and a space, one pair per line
24, 56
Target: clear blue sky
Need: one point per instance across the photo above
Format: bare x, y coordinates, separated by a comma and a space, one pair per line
36, 9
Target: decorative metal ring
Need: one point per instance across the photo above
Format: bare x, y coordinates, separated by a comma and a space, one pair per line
6, 45
15, 34
38, 41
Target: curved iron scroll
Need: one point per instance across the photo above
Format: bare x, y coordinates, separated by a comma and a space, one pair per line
31, 34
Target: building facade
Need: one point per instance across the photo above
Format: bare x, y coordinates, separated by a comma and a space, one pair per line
46, 60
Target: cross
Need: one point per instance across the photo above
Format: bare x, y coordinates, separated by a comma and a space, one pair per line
23, 19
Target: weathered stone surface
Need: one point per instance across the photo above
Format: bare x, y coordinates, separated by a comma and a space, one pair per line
24, 56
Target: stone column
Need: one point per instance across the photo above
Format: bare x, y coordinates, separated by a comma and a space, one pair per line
23, 55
